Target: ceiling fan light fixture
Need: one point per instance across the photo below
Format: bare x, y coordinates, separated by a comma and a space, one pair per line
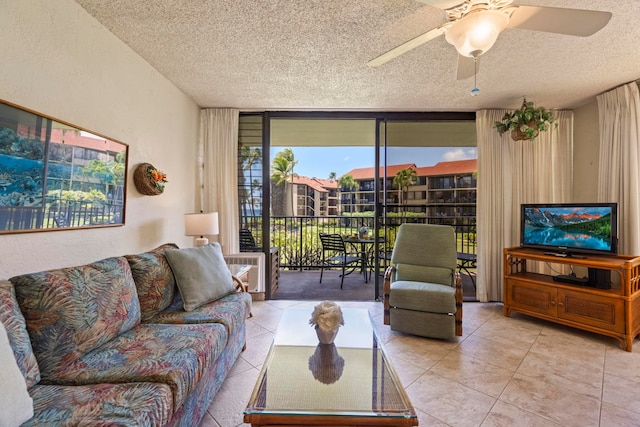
474, 34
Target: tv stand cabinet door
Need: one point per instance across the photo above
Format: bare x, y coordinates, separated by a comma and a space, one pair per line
599, 311
530, 297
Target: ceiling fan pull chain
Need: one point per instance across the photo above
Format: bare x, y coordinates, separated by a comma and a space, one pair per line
475, 91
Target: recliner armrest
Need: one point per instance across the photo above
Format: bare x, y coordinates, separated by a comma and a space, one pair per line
457, 280
386, 289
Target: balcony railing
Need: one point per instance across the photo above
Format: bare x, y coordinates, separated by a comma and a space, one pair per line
299, 243
57, 213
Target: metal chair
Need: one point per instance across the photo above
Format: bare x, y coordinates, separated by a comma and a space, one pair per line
422, 289
247, 242
335, 255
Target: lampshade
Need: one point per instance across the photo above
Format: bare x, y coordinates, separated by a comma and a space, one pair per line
201, 224
474, 34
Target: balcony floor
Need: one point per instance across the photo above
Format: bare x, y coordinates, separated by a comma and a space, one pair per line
305, 285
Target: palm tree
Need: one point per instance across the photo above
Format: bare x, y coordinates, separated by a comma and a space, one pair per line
287, 153
243, 196
250, 157
332, 175
347, 183
281, 173
403, 179
256, 203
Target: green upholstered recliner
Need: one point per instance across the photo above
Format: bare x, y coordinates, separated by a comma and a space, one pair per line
422, 289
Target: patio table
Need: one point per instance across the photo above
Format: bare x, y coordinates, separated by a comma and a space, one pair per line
465, 262
365, 249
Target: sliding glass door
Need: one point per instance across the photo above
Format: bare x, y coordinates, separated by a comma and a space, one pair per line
431, 171
321, 182
306, 173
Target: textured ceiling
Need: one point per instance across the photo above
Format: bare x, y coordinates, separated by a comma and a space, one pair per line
313, 54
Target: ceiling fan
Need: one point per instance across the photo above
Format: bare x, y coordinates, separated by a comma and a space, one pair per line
474, 25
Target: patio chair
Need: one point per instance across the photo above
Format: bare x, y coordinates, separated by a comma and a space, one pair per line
422, 289
247, 242
335, 255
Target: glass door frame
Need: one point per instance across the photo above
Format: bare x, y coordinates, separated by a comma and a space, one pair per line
380, 209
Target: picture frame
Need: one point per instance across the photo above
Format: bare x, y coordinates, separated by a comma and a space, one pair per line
58, 176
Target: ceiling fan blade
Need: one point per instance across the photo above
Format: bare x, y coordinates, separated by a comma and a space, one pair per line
407, 46
573, 22
442, 4
467, 67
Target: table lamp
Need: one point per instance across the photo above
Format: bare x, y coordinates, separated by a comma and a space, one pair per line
201, 224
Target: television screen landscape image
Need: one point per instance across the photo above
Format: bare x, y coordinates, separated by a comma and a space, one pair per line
570, 228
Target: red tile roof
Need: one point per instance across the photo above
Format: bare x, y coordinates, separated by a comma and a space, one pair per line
310, 182
368, 173
78, 139
456, 167
327, 183
442, 168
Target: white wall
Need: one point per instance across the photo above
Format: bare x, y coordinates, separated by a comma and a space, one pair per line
586, 153
59, 61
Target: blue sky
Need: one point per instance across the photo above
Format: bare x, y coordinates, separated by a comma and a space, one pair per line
320, 161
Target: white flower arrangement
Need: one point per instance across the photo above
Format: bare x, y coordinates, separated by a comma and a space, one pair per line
327, 316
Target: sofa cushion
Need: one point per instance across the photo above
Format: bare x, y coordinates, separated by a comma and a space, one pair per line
154, 280
201, 273
230, 311
131, 404
71, 311
16, 406
176, 355
15, 325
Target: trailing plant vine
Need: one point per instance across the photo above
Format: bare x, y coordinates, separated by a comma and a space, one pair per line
526, 122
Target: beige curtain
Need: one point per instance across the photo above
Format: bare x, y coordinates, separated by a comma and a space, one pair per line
511, 173
619, 175
218, 177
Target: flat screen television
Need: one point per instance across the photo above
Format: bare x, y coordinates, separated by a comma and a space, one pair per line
566, 229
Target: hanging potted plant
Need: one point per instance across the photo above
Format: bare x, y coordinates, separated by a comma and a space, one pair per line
149, 180
525, 123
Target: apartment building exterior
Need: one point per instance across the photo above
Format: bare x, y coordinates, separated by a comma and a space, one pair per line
315, 196
447, 189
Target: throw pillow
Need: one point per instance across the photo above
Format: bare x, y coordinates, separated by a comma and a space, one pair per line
154, 280
201, 274
16, 406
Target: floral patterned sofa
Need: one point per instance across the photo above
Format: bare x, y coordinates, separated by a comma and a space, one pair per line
109, 343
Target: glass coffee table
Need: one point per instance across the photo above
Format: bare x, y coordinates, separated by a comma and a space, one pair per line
348, 383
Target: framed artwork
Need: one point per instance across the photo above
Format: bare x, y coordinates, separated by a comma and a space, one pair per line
55, 176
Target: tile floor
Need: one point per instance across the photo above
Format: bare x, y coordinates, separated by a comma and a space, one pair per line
502, 372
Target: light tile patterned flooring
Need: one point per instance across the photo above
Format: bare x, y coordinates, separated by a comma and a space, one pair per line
502, 372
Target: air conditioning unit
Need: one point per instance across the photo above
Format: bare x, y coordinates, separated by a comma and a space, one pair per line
256, 273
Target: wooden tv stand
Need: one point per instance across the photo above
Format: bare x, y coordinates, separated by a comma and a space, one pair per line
614, 312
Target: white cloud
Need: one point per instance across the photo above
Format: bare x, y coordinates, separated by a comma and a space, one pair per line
460, 154
347, 158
